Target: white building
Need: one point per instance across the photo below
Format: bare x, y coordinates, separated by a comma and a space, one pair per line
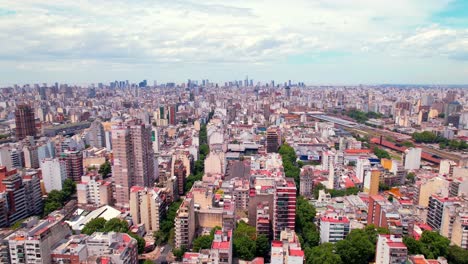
147, 205
413, 158
362, 165
93, 190
390, 250
34, 243
333, 228
118, 248
54, 173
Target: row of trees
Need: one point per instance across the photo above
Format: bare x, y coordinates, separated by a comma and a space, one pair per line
430, 137
166, 232
362, 117
335, 192
433, 245
113, 225
381, 153
199, 166
57, 199
425, 137
291, 168
305, 226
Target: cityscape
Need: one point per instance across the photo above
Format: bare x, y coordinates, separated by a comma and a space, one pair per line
127, 135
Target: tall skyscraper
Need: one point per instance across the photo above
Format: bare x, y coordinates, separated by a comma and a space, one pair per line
273, 140
284, 206
180, 173
74, 164
24, 120
172, 115
133, 159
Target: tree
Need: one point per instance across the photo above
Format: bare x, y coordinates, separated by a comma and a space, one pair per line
105, 169
49, 207
408, 144
140, 241
159, 237
116, 225
411, 177
425, 137
244, 230
457, 255
381, 154
323, 254
202, 242
214, 229
356, 248
244, 248
262, 245
434, 244
56, 196
179, 252
431, 245
95, 225
69, 188
204, 150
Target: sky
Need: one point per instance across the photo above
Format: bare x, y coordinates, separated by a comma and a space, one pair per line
314, 41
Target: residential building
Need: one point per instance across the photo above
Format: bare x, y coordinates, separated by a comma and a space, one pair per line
74, 164
390, 250
371, 182
118, 248
273, 140
34, 243
221, 247
180, 172
54, 173
435, 213
333, 228
94, 191
24, 120
133, 159
413, 158
284, 206
147, 207
185, 223
96, 135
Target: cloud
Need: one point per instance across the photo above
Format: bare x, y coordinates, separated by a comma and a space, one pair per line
150, 33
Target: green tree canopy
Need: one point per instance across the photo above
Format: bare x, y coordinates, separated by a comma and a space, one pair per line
431, 245
262, 245
323, 254
140, 241
179, 252
105, 169
202, 242
95, 225
244, 248
116, 225
381, 154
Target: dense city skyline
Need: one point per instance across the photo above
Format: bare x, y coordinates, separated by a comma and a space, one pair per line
318, 42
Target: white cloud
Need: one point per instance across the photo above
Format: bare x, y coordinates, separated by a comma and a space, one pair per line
220, 31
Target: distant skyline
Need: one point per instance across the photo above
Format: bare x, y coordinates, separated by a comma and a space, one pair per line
314, 41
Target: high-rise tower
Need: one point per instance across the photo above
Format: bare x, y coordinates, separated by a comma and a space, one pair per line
24, 119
